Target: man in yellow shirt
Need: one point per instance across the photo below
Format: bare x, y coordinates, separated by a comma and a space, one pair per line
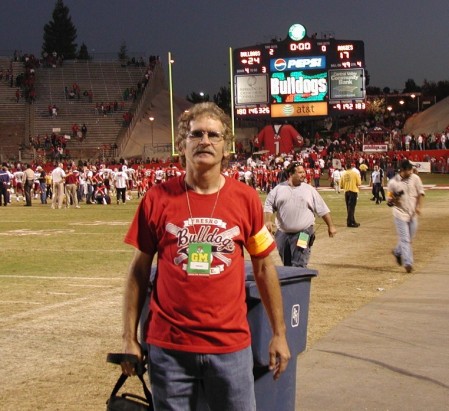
350, 182
363, 169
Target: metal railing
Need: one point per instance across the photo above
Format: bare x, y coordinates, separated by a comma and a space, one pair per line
148, 94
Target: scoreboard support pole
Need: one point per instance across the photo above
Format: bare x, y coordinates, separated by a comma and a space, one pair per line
231, 82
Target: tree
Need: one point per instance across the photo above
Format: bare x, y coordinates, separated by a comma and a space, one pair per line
367, 78
373, 91
223, 99
60, 33
411, 86
83, 53
434, 90
197, 97
123, 53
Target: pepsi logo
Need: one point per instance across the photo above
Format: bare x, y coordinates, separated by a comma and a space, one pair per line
280, 64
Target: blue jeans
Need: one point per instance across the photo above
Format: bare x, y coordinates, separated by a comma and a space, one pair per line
90, 194
43, 193
406, 231
187, 381
292, 255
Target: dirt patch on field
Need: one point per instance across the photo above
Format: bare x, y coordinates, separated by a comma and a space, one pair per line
54, 348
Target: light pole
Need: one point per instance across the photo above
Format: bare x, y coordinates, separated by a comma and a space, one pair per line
152, 131
172, 121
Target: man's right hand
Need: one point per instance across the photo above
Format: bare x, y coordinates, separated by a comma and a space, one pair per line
131, 347
270, 226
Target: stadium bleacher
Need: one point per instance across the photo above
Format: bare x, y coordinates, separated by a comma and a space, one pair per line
107, 80
12, 114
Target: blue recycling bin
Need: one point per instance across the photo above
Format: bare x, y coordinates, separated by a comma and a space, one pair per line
295, 284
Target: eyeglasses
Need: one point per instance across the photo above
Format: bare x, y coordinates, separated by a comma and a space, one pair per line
213, 136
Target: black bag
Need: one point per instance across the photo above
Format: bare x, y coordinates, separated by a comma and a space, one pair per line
127, 401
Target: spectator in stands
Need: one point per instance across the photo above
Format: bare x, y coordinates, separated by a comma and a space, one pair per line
127, 118
31, 95
83, 132
75, 129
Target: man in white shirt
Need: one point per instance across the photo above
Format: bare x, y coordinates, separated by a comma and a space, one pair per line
58, 175
121, 183
405, 195
336, 177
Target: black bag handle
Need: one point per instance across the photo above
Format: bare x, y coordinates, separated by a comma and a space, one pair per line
117, 358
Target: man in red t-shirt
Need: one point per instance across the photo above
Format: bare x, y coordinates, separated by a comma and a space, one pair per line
198, 225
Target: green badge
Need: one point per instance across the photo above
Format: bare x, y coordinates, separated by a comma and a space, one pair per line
200, 259
303, 240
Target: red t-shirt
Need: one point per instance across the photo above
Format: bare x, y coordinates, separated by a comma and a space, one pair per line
195, 313
282, 141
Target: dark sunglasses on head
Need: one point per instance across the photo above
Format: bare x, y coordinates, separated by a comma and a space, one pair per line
213, 136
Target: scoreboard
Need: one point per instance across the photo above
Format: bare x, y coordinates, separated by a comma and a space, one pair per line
299, 77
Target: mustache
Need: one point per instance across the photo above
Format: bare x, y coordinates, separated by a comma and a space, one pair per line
201, 150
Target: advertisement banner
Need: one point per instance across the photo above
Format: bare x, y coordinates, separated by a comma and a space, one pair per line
375, 148
299, 110
422, 166
251, 89
346, 84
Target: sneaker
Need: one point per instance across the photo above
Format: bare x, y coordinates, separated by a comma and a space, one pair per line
398, 258
408, 269
355, 225
77, 207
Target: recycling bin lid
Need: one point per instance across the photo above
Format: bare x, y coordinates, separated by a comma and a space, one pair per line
284, 273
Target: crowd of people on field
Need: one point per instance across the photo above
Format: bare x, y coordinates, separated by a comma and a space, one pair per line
95, 183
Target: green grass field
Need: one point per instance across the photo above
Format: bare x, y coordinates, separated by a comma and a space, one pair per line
62, 274
88, 242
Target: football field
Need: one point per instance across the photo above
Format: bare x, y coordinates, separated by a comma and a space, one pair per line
62, 274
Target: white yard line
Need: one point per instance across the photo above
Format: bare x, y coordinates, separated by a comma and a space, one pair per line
43, 277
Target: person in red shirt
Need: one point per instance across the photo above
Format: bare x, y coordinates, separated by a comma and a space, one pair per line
316, 175
198, 224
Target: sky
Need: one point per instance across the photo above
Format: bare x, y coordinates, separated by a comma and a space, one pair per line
403, 39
